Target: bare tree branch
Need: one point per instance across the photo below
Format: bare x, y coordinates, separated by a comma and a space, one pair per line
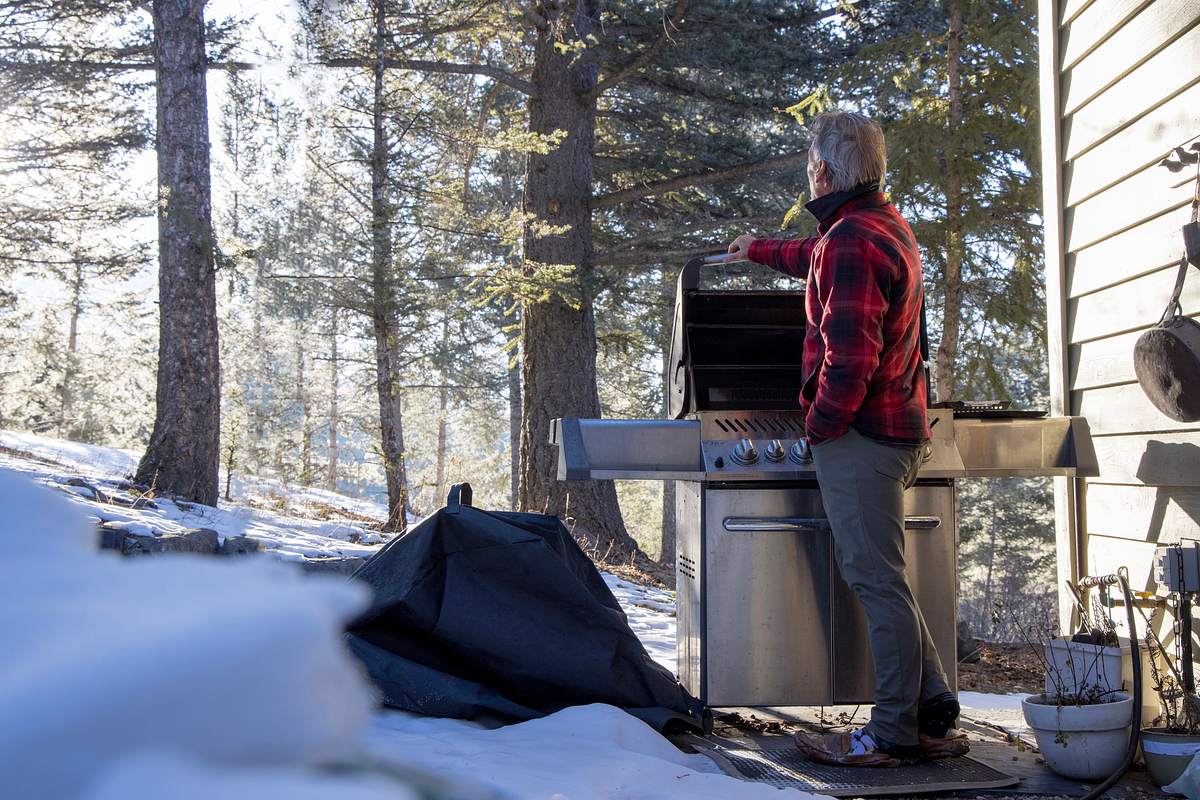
698, 179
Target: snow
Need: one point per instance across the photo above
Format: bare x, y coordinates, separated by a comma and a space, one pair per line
1003, 710
651, 615
234, 661
200, 677
280, 518
144, 776
610, 755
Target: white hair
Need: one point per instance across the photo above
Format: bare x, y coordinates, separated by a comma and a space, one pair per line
852, 147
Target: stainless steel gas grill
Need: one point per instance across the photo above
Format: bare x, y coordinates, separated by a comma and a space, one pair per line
764, 618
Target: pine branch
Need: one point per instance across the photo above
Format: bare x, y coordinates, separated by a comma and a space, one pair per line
691, 229
673, 84
58, 65
647, 55
416, 65
419, 65
698, 179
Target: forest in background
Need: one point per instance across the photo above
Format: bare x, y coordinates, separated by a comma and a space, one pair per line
418, 230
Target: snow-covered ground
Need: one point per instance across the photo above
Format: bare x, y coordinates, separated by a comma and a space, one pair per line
226, 678
291, 522
1001, 710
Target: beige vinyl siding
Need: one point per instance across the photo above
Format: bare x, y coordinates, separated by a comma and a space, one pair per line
1120, 90
1143, 56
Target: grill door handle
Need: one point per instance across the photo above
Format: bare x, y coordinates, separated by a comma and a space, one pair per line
764, 524
810, 524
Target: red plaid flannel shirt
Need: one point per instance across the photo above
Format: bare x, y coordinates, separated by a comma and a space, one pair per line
862, 354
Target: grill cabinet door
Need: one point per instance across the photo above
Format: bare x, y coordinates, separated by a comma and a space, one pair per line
766, 637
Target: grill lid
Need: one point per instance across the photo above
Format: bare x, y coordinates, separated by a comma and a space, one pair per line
734, 349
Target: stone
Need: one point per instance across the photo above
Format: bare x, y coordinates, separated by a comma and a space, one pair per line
338, 566
238, 545
197, 540
112, 536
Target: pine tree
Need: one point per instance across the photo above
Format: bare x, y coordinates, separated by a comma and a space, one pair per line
184, 454
958, 100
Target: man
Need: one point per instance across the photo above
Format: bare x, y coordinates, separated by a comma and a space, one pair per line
864, 400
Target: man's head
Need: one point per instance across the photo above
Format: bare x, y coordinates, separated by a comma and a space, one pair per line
847, 149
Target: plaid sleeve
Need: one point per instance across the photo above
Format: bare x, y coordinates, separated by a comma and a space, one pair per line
854, 282
789, 256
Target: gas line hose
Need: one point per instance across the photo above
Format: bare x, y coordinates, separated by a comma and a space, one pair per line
1121, 578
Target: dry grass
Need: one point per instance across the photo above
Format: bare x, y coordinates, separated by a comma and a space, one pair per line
1003, 668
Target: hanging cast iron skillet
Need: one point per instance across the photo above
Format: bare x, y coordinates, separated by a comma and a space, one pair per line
1166, 358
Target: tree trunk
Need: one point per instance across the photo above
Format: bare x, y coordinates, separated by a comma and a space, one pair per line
385, 306
71, 368
443, 405
514, 423
987, 584
183, 456
947, 352
306, 450
666, 553
334, 419
558, 338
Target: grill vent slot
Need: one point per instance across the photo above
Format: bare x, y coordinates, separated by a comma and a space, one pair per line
782, 426
687, 566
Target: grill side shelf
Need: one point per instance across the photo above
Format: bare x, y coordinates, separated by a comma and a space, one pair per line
633, 449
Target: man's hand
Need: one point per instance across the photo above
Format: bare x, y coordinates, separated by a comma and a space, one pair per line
739, 249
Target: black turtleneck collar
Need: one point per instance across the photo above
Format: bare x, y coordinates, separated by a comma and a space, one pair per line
827, 205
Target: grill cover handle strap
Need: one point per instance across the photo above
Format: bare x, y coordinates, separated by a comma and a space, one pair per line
810, 524
459, 496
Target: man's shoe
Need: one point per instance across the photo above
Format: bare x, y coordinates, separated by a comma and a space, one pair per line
955, 744
854, 749
938, 716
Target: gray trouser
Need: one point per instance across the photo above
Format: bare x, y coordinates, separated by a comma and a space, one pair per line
862, 488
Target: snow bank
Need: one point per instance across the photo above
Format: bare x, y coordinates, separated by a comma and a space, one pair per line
592, 752
234, 661
160, 775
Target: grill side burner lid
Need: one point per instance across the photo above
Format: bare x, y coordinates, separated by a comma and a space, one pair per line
734, 349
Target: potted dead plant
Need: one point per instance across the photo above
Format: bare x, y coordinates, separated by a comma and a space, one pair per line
1173, 738
1082, 720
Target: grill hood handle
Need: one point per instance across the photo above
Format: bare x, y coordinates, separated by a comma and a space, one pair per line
689, 278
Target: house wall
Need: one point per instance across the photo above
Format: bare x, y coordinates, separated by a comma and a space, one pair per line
1120, 87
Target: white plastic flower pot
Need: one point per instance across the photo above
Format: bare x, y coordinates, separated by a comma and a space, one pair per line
1168, 754
1081, 742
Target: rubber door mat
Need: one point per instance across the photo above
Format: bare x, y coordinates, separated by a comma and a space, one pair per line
785, 767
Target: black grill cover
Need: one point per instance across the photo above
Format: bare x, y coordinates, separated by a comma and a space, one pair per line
501, 613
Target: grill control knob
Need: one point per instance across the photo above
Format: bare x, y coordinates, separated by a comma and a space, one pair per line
801, 453
926, 453
775, 451
744, 452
